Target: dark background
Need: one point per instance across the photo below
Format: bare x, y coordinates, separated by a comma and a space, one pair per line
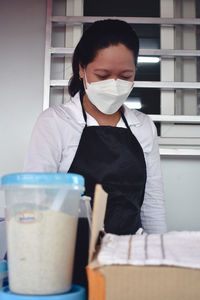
149, 36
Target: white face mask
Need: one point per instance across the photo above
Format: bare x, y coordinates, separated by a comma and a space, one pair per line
108, 95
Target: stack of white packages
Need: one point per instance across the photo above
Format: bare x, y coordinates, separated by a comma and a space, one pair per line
173, 248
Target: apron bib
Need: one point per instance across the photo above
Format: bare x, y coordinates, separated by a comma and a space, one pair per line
113, 157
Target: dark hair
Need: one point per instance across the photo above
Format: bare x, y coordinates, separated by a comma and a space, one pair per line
100, 35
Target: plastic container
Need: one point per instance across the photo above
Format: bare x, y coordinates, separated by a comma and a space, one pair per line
3, 272
42, 213
2, 239
76, 293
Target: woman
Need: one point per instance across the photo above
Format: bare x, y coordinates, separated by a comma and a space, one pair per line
97, 136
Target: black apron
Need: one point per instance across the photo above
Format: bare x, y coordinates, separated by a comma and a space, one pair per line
113, 157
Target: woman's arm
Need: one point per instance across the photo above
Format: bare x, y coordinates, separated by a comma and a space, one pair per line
153, 208
44, 150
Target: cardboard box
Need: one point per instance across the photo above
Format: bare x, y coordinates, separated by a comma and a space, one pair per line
117, 282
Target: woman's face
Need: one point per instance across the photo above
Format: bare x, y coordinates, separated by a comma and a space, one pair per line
113, 62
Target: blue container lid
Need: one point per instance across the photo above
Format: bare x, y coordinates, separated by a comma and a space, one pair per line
3, 266
76, 293
43, 178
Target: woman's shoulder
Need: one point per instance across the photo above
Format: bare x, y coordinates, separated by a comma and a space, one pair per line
142, 127
71, 110
138, 118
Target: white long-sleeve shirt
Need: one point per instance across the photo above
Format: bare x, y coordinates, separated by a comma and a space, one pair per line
55, 139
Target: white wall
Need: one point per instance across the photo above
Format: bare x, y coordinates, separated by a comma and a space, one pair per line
22, 36
181, 178
22, 41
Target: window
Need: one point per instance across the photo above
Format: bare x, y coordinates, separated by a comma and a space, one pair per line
168, 89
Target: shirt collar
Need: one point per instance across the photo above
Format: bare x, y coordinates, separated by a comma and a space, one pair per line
75, 109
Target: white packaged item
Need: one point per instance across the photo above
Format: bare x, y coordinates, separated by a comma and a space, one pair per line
175, 248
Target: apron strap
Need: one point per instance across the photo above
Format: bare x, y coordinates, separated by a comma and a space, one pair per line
125, 121
83, 110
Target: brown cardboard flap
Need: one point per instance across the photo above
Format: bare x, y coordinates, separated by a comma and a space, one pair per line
99, 208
